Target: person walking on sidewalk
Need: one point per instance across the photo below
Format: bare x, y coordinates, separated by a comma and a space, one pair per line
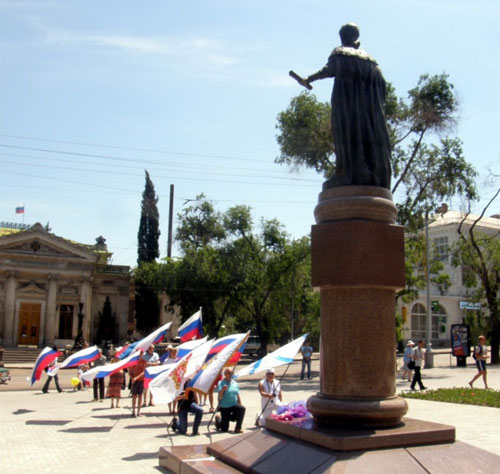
480, 356
418, 357
306, 351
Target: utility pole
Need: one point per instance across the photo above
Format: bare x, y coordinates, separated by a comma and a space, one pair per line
429, 357
170, 221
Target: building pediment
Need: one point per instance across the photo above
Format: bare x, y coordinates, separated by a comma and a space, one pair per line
36, 242
31, 289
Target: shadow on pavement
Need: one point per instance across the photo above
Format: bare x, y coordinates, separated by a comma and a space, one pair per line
141, 456
149, 425
89, 429
124, 416
22, 411
48, 422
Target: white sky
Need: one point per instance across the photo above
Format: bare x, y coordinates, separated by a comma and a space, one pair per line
94, 92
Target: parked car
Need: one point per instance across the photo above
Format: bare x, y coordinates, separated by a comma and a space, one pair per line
252, 346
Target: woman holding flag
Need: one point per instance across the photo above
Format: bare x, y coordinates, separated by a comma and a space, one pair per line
270, 396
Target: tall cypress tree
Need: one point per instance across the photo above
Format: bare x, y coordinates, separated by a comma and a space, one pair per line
146, 299
149, 232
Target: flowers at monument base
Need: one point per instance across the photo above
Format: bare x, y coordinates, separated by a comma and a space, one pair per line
292, 410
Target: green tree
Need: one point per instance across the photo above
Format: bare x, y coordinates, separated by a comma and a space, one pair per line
240, 277
146, 299
149, 230
479, 254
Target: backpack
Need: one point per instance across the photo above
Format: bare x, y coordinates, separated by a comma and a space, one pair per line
476, 351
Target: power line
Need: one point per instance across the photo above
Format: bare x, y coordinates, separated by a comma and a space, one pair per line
114, 172
149, 150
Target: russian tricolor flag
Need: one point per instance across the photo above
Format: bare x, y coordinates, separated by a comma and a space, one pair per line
206, 376
102, 371
152, 372
192, 328
20, 210
47, 356
222, 343
85, 356
144, 343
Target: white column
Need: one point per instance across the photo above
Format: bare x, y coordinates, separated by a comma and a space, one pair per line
50, 319
10, 308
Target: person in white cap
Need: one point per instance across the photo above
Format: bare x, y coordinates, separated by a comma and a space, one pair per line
270, 396
406, 360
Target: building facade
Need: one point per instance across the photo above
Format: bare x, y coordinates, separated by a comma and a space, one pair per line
448, 306
51, 287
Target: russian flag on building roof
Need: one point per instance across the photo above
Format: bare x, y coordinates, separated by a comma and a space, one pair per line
47, 356
192, 328
20, 210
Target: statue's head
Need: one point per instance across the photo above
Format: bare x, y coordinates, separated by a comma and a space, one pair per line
349, 34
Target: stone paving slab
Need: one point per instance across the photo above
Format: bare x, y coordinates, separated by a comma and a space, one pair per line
67, 432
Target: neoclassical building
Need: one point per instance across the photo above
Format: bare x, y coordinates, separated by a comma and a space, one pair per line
449, 306
50, 285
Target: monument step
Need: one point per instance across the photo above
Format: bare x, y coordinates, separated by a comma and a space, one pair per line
267, 452
192, 459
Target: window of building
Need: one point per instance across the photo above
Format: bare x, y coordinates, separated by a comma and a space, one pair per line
418, 315
439, 320
419, 322
441, 248
66, 321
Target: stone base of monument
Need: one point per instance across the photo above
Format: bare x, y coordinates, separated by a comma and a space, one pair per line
300, 447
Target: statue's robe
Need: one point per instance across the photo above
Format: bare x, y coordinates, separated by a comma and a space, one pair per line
361, 138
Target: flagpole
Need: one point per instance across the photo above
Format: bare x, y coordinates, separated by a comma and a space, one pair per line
274, 391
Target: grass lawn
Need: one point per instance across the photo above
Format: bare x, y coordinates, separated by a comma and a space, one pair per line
468, 396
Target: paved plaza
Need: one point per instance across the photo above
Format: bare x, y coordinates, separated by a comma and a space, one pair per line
67, 432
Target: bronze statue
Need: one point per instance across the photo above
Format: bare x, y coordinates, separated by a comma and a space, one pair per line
361, 138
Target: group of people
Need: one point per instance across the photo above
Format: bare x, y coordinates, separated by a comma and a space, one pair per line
229, 405
414, 355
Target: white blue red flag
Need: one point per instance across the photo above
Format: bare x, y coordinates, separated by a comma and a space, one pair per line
210, 371
283, 355
154, 371
192, 328
164, 387
102, 371
46, 357
221, 343
169, 384
154, 338
184, 349
85, 356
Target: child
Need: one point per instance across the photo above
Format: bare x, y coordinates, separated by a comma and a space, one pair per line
116, 381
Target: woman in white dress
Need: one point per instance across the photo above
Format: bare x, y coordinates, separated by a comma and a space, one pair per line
270, 396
